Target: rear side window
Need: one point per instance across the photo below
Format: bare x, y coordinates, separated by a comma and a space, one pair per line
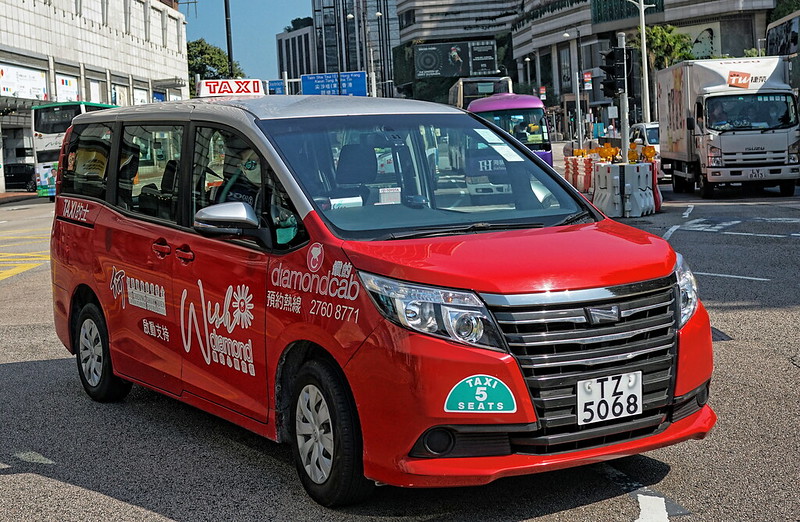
87, 161
149, 167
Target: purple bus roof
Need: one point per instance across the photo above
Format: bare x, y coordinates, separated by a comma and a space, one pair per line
503, 101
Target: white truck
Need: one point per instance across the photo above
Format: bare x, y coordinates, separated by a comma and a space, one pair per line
729, 121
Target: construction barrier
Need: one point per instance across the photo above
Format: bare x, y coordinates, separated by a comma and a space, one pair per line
624, 190
578, 172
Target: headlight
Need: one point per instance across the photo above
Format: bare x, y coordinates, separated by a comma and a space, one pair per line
794, 152
451, 314
688, 286
714, 156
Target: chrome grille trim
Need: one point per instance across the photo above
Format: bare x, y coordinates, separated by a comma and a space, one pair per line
556, 345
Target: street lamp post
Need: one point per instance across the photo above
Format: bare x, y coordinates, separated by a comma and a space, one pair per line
528, 70
758, 44
576, 89
645, 80
357, 30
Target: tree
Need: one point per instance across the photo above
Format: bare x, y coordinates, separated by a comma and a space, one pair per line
208, 61
783, 8
299, 23
665, 47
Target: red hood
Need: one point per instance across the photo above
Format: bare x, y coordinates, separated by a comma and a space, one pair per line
522, 261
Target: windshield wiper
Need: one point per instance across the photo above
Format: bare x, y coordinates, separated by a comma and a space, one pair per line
460, 229
574, 218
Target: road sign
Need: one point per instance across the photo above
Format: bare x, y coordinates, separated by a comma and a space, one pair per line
275, 87
346, 84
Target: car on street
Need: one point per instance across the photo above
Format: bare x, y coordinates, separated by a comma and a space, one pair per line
20, 176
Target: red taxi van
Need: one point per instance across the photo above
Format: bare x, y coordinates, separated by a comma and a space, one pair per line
246, 256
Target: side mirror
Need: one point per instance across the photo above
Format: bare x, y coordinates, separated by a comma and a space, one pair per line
231, 220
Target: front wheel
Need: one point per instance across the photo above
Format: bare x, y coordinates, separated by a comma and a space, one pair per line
706, 188
787, 188
94, 363
326, 438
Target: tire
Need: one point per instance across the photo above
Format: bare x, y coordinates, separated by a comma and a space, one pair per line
326, 437
30, 186
787, 188
706, 188
90, 344
677, 184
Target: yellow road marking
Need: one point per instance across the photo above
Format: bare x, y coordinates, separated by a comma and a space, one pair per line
17, 269
22, 243
19, 231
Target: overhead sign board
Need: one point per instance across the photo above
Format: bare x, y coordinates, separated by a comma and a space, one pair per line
275, 87
241, 87
455, 59
353, 83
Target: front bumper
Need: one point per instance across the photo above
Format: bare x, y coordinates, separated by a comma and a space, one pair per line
744, 173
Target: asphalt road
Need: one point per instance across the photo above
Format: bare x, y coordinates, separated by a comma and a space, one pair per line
64, 457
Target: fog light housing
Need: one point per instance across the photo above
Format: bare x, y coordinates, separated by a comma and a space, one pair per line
439, 441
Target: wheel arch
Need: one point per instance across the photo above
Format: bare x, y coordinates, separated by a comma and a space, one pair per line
292, 359
82, 296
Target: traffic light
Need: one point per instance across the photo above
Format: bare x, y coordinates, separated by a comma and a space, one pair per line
614, 68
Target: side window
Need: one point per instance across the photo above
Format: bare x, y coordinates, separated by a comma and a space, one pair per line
289, 231
87, 161
149, 168
226, 167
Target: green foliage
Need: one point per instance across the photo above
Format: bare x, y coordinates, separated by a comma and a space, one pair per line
751, 53
210, 62
299, 23
784, 8
665, 47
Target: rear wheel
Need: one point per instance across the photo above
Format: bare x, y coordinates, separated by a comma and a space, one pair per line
787, 188
677, 184
326, 438
94, 363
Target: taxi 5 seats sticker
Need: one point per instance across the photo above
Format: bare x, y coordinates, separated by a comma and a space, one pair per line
480, 394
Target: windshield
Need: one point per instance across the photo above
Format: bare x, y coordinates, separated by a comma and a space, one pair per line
54, 120
751, 111
527, 125
652, 135
371, 177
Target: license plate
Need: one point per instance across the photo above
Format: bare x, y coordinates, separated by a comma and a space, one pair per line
608, 398
756, 174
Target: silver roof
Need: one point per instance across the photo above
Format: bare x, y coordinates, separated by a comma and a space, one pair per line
273, 107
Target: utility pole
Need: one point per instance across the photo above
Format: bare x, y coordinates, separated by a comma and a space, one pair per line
228, 32
623, 100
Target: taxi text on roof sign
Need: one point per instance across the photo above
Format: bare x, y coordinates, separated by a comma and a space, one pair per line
230, 88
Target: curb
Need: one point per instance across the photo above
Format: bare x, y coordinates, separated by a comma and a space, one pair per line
11, 197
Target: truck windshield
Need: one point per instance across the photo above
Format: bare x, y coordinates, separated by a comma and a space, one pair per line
751, 111
381, 177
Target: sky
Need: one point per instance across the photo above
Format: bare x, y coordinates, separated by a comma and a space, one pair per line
254, 24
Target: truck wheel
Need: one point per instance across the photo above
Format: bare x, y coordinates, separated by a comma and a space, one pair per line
326, 438
787, 188
706, 188
94, 363
677, 184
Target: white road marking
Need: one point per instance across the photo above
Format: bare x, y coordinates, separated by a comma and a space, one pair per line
653, 506
688, 211
732, 276
671, 231
703, 225
752, 234
4, 466
652, 509
33, 457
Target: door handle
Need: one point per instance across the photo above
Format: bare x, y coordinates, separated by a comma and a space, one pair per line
161, 248
184, 255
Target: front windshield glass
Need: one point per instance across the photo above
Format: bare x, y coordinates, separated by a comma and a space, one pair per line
374, 177
652, 135
751, 111
527, 125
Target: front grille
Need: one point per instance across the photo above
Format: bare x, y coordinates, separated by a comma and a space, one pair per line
763, 158
559, 338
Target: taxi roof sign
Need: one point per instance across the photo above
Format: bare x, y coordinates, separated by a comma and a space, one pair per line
248, 87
